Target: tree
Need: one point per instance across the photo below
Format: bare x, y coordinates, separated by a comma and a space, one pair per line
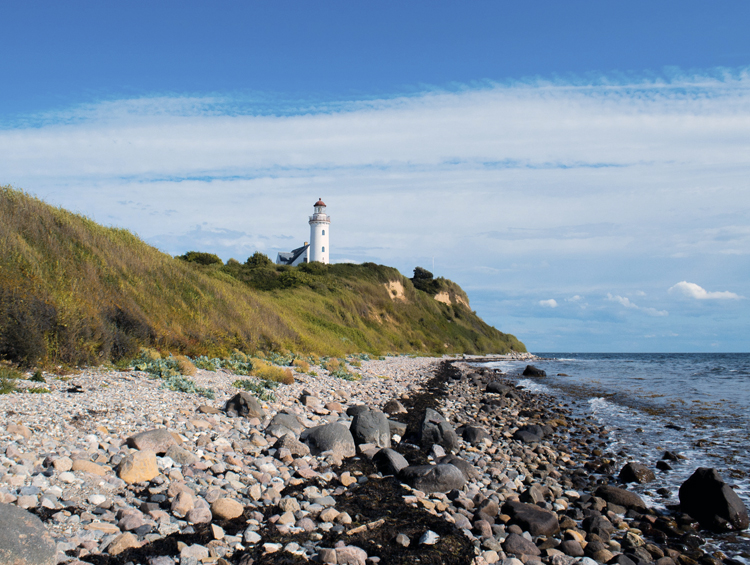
257, 260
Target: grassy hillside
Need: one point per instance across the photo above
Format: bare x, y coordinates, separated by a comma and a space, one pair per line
75, 292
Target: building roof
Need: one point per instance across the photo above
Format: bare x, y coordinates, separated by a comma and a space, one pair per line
293, 255
319, 202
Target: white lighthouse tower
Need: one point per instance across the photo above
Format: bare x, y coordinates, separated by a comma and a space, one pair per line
320, 223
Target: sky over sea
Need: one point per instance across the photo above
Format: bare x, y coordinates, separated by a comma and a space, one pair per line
581, 169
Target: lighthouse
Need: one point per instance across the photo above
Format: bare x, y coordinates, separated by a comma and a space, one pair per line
320, 223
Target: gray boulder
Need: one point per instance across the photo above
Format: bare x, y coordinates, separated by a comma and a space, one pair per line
371, 426
23, 538
436, 430
389, 461
620, 496
356, 409
708, 499
394, 407
330, 437
535, 520
474, 435
158, 440
180, 456
497, 387
282, 424
433, 478
244, 404
467, 469
519, 545
636, 473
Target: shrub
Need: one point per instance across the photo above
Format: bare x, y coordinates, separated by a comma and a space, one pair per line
301, 365
331, 365
37, 390
268, 372
7, 385
258, 259
38, 377
185, 366
201, 258
178, 383
260, 389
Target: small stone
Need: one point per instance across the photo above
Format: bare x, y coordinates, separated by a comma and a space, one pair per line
138, 467
286, 518
156, 440
199, 516
429, 538
346, 479
227, 509
123, 542
351, 555
327, 555
328, 515
62, 464
84, 466
403, 540
97, 499
272, 547
67, 477
251, 536
217, 531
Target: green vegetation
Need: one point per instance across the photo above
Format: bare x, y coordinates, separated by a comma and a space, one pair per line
260, 389
73, 292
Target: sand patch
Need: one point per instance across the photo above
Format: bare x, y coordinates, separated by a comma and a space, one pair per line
395, 290
445, 298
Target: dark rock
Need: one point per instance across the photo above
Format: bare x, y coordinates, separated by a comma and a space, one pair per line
436, 430
526, 437
636, 473
535, 494
433, 478
498, 388
244, 404
394, 407
670, 456
474, 435
535, 520
371, 426
620, 496
389, 462
398, 428
531, 371
519, 545
467, 469
354, 410
23, 538
571, 547
708, 499
663, 466
330, 437
620, 559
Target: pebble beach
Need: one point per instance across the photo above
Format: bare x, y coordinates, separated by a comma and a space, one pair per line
420, 460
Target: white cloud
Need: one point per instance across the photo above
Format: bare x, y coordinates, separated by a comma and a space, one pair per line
576, 298
692, 290
624, 301
551, 303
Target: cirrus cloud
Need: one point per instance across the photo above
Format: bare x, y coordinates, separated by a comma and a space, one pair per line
693, 290
628, 304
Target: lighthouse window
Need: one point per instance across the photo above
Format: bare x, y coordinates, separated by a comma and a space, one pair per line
324, 232
324, 249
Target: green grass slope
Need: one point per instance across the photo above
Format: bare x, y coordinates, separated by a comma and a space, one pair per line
74, 292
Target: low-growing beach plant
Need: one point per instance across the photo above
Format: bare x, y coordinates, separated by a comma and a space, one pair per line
260, 389
185, 366
7, 385
38, 377
37, 390
178, 383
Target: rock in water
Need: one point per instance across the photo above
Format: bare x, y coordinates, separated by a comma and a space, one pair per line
23, 538
244, 404
708, 499
433, 478
436, 429
371, 426
531, 371
331, 437
636, 473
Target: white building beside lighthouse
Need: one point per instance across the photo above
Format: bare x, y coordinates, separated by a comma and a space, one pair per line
319, 248
320, 224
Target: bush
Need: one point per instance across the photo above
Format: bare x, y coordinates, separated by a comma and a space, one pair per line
268, 372
7, 385
201, 258
185, 366
302, 366
38, 377
258, 259
37, 390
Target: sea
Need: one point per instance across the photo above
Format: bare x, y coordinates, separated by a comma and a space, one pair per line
696, 405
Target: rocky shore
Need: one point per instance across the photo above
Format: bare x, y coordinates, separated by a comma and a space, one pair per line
420, 461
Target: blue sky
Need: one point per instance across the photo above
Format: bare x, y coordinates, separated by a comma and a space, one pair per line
582, 169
